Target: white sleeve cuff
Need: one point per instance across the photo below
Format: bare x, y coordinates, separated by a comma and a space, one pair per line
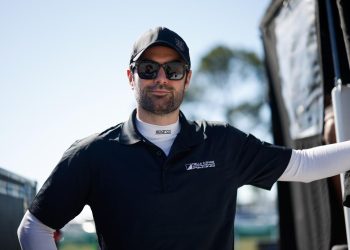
34, 235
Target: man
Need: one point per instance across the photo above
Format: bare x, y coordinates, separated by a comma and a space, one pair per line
159, 181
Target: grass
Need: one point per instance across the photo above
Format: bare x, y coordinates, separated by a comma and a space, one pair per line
72, 246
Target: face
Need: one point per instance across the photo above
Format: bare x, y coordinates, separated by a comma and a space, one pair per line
160, 95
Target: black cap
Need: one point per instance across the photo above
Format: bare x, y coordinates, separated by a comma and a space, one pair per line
160, 36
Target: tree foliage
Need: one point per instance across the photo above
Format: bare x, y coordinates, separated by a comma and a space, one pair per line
230, 83
222, 61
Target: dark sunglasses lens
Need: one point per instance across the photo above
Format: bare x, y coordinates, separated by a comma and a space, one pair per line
174, 70
147, 70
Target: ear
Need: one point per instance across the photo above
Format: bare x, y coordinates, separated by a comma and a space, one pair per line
131, 78
188, 79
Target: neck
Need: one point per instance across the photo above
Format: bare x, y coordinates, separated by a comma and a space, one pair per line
156, 119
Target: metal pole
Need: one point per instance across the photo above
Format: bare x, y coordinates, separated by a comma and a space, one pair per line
341, 102
333, 40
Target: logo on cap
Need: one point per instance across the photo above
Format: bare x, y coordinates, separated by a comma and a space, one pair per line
180, 44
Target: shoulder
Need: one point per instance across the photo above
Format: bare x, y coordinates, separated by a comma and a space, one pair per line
93, 140
221, 133
204, 124
217, 127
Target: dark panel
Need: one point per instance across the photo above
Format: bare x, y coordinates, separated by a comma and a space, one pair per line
11, 211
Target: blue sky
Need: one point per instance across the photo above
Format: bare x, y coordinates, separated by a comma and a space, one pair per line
63, 66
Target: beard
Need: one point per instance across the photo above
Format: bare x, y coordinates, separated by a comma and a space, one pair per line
160, 105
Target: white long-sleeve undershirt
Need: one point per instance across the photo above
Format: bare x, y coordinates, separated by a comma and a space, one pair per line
34, 235
161, 136
317, 163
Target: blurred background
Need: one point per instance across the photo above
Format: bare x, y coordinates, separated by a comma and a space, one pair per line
63, 77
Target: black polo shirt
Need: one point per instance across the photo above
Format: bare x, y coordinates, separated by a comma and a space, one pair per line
143, 199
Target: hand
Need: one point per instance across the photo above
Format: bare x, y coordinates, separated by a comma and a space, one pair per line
329, 135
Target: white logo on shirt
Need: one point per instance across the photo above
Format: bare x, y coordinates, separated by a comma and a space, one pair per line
200, 165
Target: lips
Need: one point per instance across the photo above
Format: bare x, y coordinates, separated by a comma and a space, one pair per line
159, 91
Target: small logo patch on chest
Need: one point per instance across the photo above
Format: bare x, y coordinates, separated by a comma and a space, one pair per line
200, 165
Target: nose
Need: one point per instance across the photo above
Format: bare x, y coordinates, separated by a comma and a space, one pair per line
161, 76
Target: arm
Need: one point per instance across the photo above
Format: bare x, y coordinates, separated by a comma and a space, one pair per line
61, 198
34, 235
317, 163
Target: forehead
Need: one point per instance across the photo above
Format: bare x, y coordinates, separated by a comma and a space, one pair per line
161, 53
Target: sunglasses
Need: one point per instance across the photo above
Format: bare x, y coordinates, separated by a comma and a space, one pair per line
148, 70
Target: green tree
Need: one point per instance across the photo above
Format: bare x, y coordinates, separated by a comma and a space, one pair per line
230, 84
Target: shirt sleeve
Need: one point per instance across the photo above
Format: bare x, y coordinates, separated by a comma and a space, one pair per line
66, 191
258, 163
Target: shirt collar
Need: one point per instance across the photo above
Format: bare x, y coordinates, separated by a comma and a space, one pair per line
191, 133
